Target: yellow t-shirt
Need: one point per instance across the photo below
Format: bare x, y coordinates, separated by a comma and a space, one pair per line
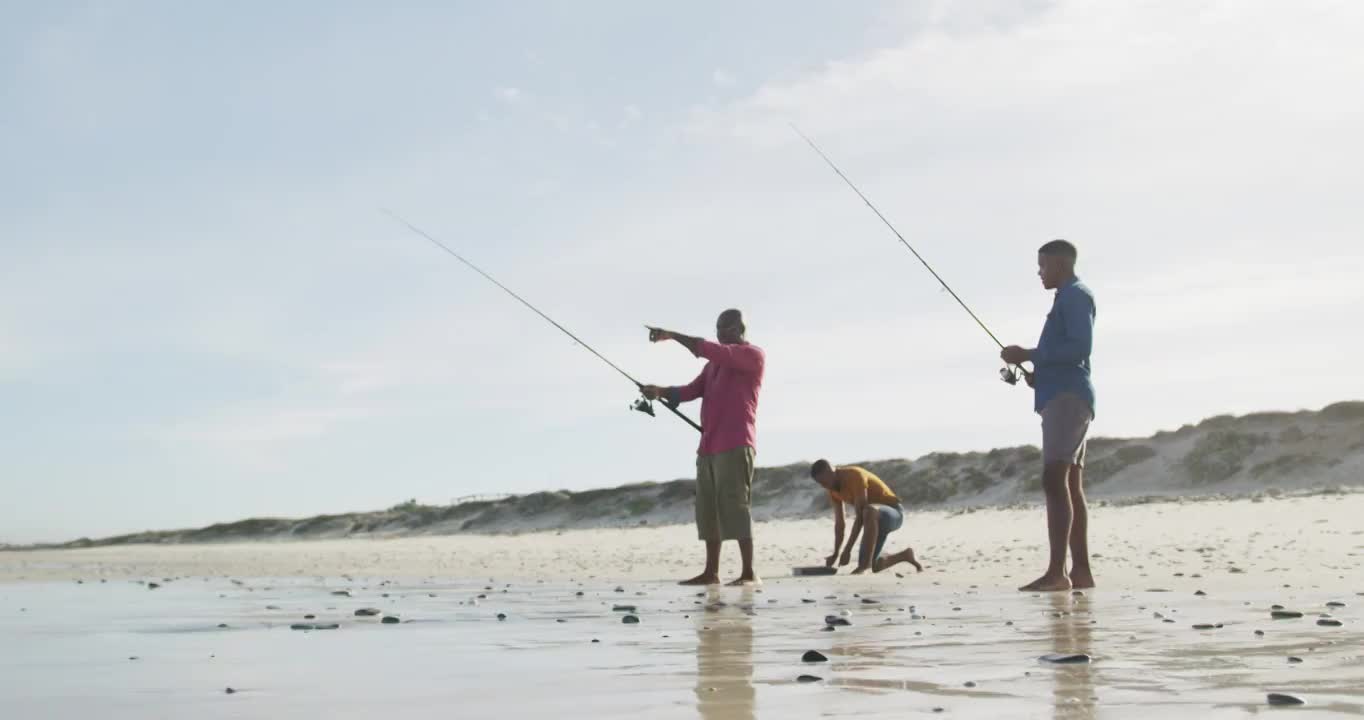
853, 483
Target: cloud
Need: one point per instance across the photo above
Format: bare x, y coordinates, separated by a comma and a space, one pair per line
509, 95
630, 115
722, 78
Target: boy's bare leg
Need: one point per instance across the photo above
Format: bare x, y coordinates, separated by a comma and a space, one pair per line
1059, 518
871, 531
711, 575
746, 576
1080, 575
888, 561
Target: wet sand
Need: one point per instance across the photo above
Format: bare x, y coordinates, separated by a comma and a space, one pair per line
722, 653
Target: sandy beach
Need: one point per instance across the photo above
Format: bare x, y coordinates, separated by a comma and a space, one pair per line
956, 639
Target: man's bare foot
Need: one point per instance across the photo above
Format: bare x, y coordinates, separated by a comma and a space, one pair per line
860, 569
1081, 579
909, 558
702, 579
1047, 583
745, 579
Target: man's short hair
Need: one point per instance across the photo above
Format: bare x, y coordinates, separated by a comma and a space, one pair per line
1060, 248
819, 467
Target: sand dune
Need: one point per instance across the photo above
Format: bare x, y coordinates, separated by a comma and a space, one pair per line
1264, 453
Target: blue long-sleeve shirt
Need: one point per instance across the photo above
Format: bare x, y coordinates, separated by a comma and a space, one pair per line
1061, 360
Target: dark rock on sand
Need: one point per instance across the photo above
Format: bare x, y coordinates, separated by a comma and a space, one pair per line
837, 620
827, 628
1275, 607
629, 620
341, 593
1207, 626
969, 683
808, 600
1259, 633
1335, 604
1328, 622
152, 586
1294, 660
869, 601
622, 608
302, 626
809, 678
1284, 699
309, 617
1066, 658
230, 691
327, 626
813, 656
1285, 614
1199, 593
390, 620
222, 626
594, 640
501, 617
367, 612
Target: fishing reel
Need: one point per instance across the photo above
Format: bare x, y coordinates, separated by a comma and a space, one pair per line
644, 405
1013, 373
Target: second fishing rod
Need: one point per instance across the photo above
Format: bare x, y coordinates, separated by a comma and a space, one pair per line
1009, 374
642, 404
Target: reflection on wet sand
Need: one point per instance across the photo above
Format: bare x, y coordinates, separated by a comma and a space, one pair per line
1073, 690
724, 663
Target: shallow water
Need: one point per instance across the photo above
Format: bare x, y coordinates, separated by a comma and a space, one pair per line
729, 653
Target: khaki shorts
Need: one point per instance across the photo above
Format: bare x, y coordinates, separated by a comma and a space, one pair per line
724, 489
1065, 425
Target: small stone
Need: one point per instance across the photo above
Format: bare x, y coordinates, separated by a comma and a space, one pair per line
969, 683
390, 620
813, 656
579, 593
341, 593
1328, 622
1284, 699
1259, 633
501, 617
869, 601
1207, 626
1066, 658
327, 626
152, 586
937, 709
629, 620
309, 617
620, 589
1335, 604
222, 626
808, 600
1294, 660
594, 640
622, 608
230, 691
367, 612
1285, 614
809, 678
302, 626
1199, 593
1275, 607
837, 620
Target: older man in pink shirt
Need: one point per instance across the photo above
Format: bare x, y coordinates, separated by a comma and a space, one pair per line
729, 385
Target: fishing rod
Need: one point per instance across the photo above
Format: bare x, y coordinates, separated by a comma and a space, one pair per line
1009, 374
643, 404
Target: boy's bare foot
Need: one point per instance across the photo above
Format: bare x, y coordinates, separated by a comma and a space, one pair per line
702, 579
745, 579
1081, 579
909, 558
1047, 583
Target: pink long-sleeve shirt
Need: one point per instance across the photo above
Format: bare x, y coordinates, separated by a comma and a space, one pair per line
729, 383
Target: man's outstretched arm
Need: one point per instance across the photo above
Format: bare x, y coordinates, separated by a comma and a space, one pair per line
838, 532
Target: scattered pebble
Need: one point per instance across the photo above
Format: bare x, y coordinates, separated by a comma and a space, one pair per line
302, 626
1066, 658
1284, 699
1335, 604
1328, 622
807, 600
809, 678
367, 612
230, 691
622, 608
813, 656
869, 601
630, 620
969, 683
1199, 593
1294, 660
1285, 614
837, 620
1207, 626
152, 586
390, 620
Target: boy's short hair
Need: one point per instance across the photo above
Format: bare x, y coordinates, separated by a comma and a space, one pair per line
1060, 248
820, 466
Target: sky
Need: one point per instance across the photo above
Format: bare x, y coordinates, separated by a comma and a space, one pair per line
205, 316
